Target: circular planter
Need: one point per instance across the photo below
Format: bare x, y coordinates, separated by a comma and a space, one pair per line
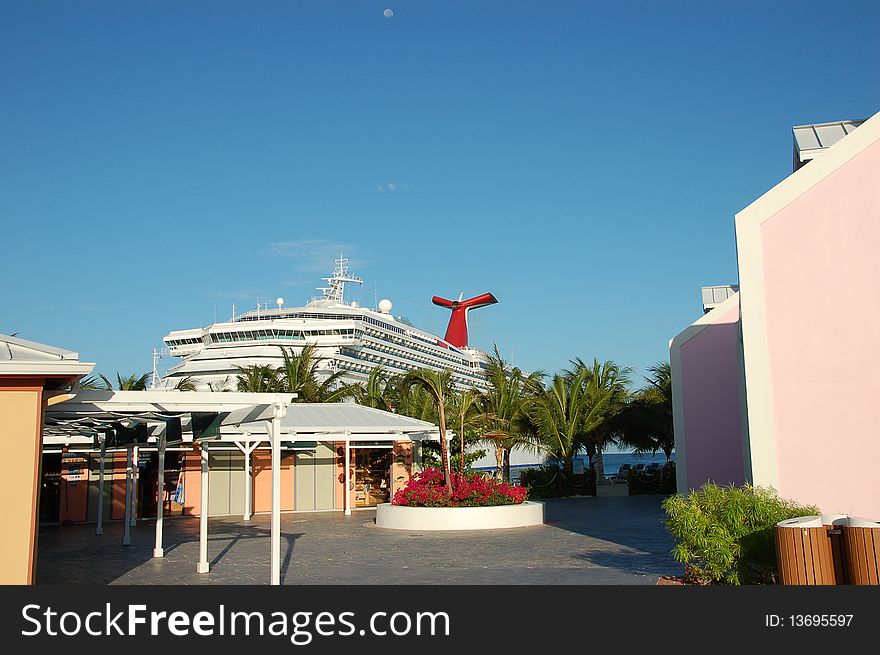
399, 517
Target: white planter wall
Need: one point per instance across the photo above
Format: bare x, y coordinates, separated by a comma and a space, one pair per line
398, 517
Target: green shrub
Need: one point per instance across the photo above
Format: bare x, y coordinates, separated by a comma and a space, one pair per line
725, 534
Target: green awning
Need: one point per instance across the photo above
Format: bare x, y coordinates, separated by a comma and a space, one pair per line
137, 433
206, 425
299, 445
173, 431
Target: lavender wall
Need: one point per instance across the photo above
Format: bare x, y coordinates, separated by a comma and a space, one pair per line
710, 388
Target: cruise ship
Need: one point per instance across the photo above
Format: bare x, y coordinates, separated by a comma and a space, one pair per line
348, 338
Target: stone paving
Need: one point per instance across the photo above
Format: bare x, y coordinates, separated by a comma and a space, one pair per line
610, 539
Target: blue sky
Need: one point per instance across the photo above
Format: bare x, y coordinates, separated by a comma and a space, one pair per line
581, 160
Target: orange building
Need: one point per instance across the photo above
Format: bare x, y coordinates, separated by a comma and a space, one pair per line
31, 377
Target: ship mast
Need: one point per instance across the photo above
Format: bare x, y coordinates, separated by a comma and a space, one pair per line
335, 292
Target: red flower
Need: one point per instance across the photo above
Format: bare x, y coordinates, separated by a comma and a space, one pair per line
473, 489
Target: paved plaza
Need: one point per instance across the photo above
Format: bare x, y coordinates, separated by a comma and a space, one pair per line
611, 539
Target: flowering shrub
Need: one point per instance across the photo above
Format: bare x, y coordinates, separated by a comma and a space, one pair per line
426, 489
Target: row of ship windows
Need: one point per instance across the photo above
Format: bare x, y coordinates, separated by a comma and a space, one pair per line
459, 368
423, 359
383, 324
183, 342
343, 317
263, 335
271, 334
386, 363
432, 351
257, 317
336, 317
435, 343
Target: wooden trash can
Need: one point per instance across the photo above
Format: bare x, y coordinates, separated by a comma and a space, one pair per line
804, 552
835, 523
861, 541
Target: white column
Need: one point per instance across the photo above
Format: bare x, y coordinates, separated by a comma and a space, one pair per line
134, 486
246, 450
158, 551
126, 536
204, 567
248, 484
275, 439
347, 491
99, 530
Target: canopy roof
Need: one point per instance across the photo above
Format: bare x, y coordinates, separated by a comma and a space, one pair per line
338, 418
20, 357
84, 418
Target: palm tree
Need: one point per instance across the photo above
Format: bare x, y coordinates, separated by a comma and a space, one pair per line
221, 385
91, 383
574, 411
299, 375
128, 383
187, 383
257, 378
437, 386
465, 406
505, 404
605, 395
558, 417
412, 400
645, 422
378, 390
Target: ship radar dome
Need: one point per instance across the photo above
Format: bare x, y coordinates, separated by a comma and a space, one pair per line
385, 306
280, 302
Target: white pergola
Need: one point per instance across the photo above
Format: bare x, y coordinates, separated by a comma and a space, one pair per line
354, 425
96, 420
132, 418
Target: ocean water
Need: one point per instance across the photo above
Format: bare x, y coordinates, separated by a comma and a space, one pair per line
613, 461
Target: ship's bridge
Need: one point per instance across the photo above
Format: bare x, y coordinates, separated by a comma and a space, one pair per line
186, 342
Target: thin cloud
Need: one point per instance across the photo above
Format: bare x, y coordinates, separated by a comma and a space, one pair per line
391, 187
318, 255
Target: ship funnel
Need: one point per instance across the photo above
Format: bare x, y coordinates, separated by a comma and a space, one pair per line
457, 330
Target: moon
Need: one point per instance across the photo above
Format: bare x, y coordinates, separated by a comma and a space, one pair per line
388, 13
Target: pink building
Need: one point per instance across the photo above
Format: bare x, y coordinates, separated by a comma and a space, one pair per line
777, 384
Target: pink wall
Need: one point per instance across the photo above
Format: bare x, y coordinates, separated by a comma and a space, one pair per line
710, 381
821, 263
401, 466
